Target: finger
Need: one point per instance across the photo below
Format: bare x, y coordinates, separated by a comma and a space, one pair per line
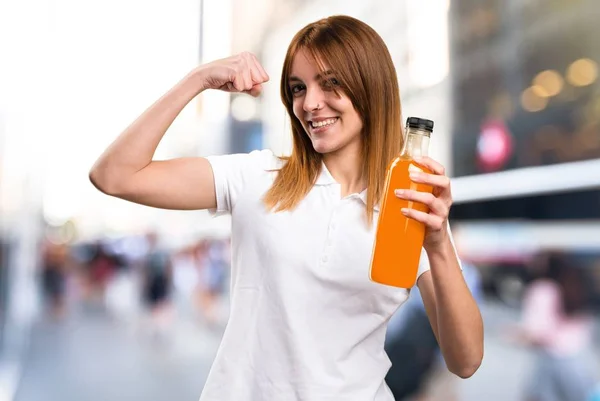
261, 70
257, 72
237, 84
242, 80
440, 181
255, 75
437, 206
255, 91
228, 87
434, 166
247, 76
432, 221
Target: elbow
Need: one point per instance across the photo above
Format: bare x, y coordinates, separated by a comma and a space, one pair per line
103, 181
467, 370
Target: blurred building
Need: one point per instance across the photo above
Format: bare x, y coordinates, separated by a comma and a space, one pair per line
526, 129
20, 184
20, 233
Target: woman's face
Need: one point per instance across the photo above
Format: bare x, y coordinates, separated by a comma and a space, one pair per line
329, 120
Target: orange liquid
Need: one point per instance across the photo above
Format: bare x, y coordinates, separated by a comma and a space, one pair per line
399, 239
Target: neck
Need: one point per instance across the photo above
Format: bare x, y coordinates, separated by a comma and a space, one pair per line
345, 166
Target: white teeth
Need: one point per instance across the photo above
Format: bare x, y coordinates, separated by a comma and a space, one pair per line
323, 123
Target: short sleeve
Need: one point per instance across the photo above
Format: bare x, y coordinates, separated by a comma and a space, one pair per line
233, 173
424, 260
423, 263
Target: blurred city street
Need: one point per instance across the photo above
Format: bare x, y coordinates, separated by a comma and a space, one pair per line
95, 357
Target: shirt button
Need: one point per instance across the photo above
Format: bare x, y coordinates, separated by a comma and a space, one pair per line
324, 259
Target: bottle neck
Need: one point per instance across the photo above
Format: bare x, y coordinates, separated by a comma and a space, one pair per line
416, 143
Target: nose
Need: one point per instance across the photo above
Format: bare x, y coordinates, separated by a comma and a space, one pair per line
313, 100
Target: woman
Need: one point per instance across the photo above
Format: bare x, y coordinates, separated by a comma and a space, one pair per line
306, 323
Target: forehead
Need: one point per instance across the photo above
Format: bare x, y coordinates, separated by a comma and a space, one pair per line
304, 66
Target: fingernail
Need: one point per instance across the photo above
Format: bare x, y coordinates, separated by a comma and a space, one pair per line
404, 211
414, 176
399, 192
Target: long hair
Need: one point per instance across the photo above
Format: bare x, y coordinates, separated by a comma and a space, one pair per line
366, 72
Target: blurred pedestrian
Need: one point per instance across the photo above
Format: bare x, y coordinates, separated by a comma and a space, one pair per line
54, 265
214, 274
186, 279
101, 269
157, 286
557, 324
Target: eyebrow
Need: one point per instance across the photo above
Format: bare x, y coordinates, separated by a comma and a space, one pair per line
317, 77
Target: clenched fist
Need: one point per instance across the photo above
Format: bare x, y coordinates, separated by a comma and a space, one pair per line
240, 73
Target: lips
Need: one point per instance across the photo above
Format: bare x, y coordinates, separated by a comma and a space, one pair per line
322, 122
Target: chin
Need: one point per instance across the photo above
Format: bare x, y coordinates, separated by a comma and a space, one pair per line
324, 148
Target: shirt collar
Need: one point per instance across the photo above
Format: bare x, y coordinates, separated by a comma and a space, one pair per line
363, 197
325, 178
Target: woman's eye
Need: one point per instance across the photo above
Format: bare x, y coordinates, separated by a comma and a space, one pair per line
329, 83
297, 89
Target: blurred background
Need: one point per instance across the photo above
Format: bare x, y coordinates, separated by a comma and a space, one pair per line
103, 299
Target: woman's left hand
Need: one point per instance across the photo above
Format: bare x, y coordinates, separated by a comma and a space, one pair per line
438, 202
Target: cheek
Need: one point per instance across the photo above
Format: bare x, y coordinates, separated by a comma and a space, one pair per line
354, 120
359, 123
297, 109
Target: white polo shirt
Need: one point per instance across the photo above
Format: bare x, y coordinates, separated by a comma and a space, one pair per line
306, 322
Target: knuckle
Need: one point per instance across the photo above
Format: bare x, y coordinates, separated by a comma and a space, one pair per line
440, 205
446, 212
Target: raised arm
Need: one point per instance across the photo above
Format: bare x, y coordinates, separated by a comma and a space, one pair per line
126, 169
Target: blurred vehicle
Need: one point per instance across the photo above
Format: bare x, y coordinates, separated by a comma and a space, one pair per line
504, 253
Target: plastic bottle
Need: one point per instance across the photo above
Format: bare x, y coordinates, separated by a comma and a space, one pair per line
399, 239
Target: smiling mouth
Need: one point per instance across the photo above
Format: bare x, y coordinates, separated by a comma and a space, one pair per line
323, 124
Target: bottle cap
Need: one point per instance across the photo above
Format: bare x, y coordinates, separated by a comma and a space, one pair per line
421, 123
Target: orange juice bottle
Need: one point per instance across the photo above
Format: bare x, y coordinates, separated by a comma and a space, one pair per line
399, 239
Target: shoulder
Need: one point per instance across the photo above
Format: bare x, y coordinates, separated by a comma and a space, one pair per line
241, 174
257, 160
266, 159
